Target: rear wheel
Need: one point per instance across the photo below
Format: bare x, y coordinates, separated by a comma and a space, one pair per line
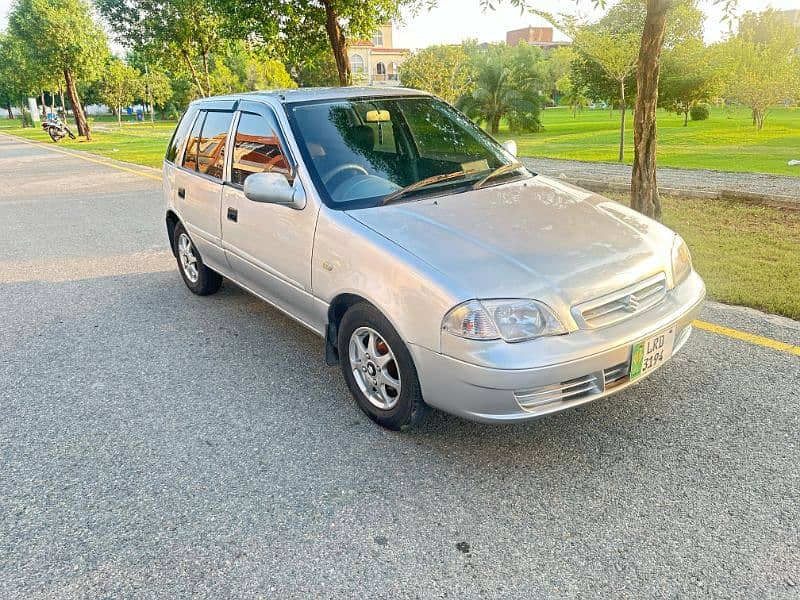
198, 278
379, 370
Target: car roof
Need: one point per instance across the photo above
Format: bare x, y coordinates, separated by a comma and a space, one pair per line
321, 93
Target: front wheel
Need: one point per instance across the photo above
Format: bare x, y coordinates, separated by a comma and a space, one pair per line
379, 370
54, 135
198, 278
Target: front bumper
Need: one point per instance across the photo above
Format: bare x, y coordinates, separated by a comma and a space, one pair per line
598, 364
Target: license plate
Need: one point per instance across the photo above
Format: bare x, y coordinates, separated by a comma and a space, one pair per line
649, 354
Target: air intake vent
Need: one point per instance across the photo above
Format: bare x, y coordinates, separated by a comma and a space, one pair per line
620, 305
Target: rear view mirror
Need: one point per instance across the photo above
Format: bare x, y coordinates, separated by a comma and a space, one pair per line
378, 116
510, 146
273, 188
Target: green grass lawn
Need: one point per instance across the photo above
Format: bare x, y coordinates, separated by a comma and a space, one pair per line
727, 141
748, 255
140, 143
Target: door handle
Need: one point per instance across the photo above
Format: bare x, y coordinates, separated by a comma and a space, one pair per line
233, 214
181, 192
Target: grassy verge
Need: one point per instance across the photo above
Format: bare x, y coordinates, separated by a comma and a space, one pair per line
140, 143
748, 255
727, 141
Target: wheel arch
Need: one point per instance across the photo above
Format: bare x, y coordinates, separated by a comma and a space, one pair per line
172, 221
340, 304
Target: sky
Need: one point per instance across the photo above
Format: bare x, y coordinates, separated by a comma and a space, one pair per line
455, 20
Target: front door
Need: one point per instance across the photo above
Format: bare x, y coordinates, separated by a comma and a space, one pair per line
267, 245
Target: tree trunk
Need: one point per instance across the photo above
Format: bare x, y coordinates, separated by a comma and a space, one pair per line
53, 104
338, 44
61, 98
205, 71
8, 109
686, 116
623, 108
193, 71
494, 124
43, 114
644, 186
119, 116
77, 108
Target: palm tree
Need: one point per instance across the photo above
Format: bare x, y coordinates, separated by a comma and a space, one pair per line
506, 87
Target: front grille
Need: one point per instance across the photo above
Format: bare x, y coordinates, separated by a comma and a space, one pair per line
622, 304
586, 386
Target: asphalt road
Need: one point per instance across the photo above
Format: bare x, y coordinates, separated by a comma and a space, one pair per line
157, 444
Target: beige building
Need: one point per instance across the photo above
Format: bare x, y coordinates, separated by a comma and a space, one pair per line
376, 61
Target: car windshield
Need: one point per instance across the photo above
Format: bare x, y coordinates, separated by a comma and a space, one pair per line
363, 151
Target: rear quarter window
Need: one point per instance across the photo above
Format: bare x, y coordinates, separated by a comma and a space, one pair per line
179, 137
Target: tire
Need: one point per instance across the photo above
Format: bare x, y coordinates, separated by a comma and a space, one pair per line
53, 133
198, 278
382, 359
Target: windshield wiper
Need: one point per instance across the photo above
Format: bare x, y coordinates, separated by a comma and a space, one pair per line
421, 184
502, 169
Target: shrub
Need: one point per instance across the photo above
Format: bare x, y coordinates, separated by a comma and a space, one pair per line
699, 112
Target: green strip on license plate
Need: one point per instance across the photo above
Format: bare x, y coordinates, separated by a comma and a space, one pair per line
637, 357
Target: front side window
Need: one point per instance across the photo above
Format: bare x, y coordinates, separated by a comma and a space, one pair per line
256, 148
361, 151
377, 39
211, 144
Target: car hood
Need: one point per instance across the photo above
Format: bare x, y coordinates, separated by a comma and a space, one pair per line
538, 238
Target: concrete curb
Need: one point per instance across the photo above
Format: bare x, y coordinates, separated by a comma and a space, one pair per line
788, 202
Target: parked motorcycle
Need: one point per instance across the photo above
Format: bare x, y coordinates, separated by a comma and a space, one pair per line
57, 129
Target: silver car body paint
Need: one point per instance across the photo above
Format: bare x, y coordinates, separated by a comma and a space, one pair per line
537, 238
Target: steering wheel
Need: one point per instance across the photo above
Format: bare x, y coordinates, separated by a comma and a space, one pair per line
341, 168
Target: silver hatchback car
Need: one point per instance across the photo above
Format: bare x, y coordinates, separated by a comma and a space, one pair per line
438, 269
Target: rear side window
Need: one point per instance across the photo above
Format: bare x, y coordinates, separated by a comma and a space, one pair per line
179, 137
212, 141
193, 143
256, 148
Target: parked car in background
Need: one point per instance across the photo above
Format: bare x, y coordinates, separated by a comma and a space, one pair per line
438, 270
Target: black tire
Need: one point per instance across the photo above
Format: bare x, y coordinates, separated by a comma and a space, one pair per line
53, 133
205, 281
410, 409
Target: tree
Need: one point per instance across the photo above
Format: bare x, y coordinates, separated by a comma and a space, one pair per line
503, 89
119, 86
190, 30
765, 65
688, 77
61, 36
445, 71
573, 95
614, 51
14, 83
157, 89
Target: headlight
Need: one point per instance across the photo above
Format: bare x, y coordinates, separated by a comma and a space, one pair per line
681, 260
511, 320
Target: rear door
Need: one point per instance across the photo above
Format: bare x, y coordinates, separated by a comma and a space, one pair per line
198, 184
267, 245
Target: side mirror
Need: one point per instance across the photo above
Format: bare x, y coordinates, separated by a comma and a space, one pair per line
273, 188
510, 146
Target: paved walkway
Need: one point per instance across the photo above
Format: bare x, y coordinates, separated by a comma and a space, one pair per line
604, 177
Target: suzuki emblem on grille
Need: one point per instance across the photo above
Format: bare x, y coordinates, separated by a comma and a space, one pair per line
630, 303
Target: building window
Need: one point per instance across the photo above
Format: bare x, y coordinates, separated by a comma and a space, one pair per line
377, 39
380, 68
357, 63
393, 72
